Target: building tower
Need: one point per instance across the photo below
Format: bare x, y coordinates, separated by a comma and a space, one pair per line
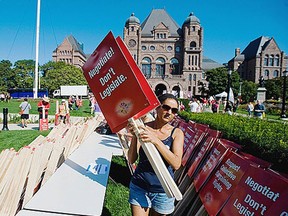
132, 32
192, 52
170, 56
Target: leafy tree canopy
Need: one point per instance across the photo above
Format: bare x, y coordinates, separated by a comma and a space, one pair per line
218, 81
249, 91
274, 88
24, 73
56, 74
5, 75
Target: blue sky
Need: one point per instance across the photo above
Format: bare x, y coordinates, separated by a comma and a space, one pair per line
227, 24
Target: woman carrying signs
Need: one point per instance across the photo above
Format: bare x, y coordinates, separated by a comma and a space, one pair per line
147, 196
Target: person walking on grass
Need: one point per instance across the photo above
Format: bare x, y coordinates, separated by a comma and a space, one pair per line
147, 196
24, 111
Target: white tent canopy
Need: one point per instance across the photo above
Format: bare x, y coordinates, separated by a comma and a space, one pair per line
223, 94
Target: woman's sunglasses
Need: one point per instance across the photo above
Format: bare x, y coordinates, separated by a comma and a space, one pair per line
167, 108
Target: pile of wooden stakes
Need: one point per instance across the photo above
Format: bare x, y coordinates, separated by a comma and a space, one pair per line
24, 172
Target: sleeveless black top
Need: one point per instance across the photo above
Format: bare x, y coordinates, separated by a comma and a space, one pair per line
144, 175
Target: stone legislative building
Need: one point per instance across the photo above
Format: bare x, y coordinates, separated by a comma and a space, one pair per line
262, 58
170, 56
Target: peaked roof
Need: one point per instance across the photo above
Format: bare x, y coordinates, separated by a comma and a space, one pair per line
254, 47
155, 18
208, 64
75, 44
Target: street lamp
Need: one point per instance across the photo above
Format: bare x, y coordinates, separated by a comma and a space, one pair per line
240, 88
283, 115
228, 90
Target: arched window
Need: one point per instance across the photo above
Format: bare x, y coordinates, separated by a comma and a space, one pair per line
174, 66
160, 66
146, 67
190, 77
271, 60
276, 60
276, 73
193, 44
266, 73
266, 60
194, 77
203, 75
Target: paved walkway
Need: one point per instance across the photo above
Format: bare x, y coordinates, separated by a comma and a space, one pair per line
34, 126
29, 126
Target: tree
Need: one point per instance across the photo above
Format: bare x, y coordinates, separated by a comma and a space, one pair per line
249, 91
6, 75
274, 88
56, 74
218, 78
24, 73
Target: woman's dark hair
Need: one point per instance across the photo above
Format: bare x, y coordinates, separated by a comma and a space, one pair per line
163, 97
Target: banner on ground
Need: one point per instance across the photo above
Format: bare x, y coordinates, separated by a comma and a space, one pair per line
117, 83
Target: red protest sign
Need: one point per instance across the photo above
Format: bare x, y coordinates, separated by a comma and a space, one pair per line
260, 192
230, 144
43, 124
222, 183
182, 125
115, 85
188, 136
176, 120
217, 153
198, 137
203, 151
153, 101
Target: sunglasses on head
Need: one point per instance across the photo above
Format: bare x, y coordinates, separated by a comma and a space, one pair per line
167, 108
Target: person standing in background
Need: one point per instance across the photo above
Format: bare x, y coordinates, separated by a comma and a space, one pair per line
259, 109
43, 104
24, 110
194, 106
62, 111
250, 108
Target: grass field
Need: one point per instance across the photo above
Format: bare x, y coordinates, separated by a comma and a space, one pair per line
13, 107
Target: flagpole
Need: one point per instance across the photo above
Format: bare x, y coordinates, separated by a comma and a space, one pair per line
228, 89
36, 74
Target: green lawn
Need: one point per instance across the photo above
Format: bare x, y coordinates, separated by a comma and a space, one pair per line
18, 138
13, 107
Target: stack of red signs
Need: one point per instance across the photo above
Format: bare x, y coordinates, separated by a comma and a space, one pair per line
117, 83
